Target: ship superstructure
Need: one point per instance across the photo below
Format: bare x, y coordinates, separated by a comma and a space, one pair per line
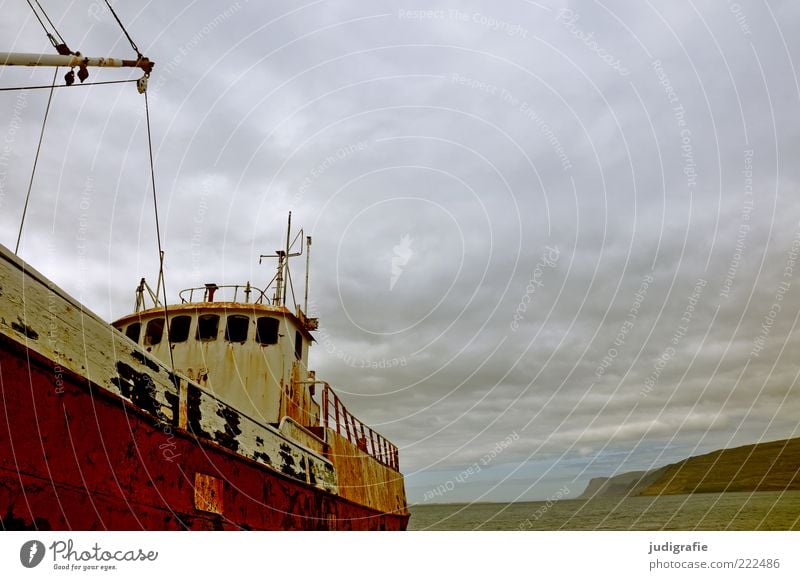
101, 431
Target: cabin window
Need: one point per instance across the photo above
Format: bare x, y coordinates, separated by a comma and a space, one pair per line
236, 328
298, 345
154, 331
267, 330
179, 328
207, 327
134, 331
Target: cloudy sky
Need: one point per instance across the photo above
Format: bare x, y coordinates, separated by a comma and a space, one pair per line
552, 240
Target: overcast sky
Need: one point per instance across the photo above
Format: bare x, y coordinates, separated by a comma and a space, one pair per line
552, 240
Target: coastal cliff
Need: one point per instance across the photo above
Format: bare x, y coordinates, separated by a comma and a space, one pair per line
771, 466
624, 484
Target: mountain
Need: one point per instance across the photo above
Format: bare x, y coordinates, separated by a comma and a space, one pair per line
771, 466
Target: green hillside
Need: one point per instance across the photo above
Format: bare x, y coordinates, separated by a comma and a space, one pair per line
772, 466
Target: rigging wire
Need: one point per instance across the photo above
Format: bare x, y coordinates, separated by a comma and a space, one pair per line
67, 86
291, 286
47, 32
158, 233
35, 162
58, 43
58, 34
122, 26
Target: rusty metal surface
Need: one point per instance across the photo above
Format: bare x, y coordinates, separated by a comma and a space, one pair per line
40, 318
129, 419
260, 381
249, 293
336, 417
31, 59
296, 319
84, 459
208, 493
363, 479
302, 435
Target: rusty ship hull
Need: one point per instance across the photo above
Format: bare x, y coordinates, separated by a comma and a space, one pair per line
97, 435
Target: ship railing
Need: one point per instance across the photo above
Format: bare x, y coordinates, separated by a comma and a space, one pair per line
336, 417
249, 293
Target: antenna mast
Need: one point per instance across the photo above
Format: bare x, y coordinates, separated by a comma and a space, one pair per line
286, 261
282, 276
308, 270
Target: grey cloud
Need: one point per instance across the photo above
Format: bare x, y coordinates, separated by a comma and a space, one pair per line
484, 143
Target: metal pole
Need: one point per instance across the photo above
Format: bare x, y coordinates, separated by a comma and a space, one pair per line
31, 59
279, 281
361, 437
308, 264
336, 412
347, 418
324, 406
286, 265
372, 442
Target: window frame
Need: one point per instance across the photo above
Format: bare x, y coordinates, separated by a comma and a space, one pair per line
298, 345
273, 332
237, 319
201, 322
184, 335
138, 325
150, 338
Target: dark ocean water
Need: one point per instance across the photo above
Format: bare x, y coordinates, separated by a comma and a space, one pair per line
708, 511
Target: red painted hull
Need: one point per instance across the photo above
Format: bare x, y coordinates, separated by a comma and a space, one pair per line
77, 457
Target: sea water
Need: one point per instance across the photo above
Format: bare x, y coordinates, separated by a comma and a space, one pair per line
707, 511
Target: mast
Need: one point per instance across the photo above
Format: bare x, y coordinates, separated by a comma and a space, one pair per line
276, 299
308, 265
82, 62
72, 60
282, 277
286, 263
